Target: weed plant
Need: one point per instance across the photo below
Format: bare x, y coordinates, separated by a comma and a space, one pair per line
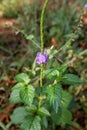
41, 90
44, 103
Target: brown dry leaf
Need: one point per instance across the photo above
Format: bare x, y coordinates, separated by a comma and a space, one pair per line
4, 116
85, 19
74, 128
53, 41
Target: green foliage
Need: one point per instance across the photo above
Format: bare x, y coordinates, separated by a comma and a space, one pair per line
10, 8
15, 96
54, 101
44, 122
54, 94
29, 19
66, 99
18, 86
43, 112
71, 79
18, 115
31, 109
45, 103
51, 73
23, 77
72, 123
27, 121
63, 116
31, 123
55, 73
27, 95
22, 92
52, 104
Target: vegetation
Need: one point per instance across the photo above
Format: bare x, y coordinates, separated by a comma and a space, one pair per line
43, 66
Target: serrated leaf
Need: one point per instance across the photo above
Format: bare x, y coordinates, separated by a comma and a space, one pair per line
65, 117
23, 77
44, 121
71, 79
27, 95
75, 124
51, 73
54, 94
62, 68
18, 86
31, 109
43, 112
66, 98
18, 115
15, 96
31, 123
55, 116
55, 73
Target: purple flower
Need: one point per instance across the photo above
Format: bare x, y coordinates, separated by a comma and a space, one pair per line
42, 58
85, 7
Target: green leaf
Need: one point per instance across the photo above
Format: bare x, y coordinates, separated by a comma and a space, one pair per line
71, 79
44, 121
43, 112
62, 68
15, 96
23, 77
31, 123
72, 123
27, 95
31, 109
18, 86
18, 115
51, 73
55, 73
65, 117
66, 98
55, 116
54, 95
30, 37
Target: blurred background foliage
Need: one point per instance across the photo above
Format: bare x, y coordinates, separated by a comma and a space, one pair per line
20, 38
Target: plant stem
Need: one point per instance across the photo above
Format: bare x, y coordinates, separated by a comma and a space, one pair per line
41, 75
3, 126
42, 48
42, 38
42, 25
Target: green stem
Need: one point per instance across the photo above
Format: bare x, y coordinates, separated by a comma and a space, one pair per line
42, 25
42, 38
41, 75
42, 48
3, 126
